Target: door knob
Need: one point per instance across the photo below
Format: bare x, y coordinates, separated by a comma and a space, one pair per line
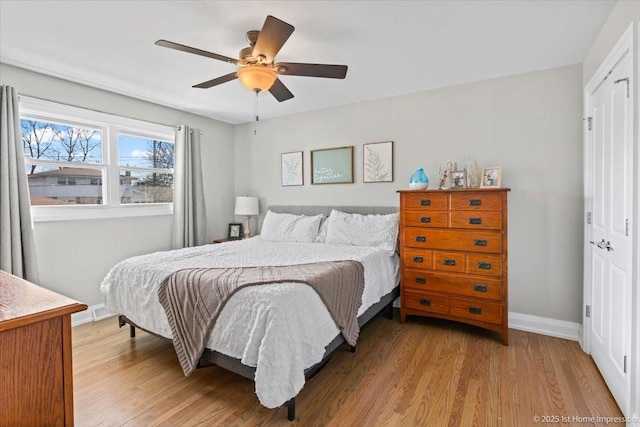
608, 246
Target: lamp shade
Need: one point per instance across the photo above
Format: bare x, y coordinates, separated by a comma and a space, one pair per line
256, 77
247, 206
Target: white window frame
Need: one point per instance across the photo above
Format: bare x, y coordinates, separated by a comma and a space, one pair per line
111, 126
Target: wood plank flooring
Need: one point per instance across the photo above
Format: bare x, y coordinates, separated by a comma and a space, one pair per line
425, 372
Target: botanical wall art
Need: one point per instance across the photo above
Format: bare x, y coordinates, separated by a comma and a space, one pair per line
378, 161
292, 172
332, 165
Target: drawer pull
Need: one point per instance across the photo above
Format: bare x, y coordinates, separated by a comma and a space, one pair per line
479, 288
475, 310
484, 265
475, 202
425, 202
425, 219
448, 261
418, 259
480, 242
475, 221
421, 239
425, 301
421, 280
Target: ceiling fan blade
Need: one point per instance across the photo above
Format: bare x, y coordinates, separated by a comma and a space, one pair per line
272, 37
312, 70
280, 91
189, 49
217, 81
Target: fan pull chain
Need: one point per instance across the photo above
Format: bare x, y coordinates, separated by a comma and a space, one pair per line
255, 113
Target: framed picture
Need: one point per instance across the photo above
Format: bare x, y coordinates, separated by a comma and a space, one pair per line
377, 158
458, 180
291, 166
491, 177
332, 166
235, 231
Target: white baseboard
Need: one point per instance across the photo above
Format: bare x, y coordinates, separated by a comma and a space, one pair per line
91, 314
545, 326
522, 322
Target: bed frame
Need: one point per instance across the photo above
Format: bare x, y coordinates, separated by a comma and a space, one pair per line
214, 358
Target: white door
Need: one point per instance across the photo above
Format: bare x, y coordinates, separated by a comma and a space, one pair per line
611, 186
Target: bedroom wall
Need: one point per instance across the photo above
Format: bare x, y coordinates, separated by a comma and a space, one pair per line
74, 256
530, 124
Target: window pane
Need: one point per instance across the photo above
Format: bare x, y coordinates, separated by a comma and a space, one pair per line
135, 151
52, 185
66, 143
143, 187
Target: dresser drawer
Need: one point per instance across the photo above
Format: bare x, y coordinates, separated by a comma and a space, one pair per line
487, 265
479, 220
425, 218
458, 284
457, 240
449, 261
427, 201
417, 258
477, 310
478, 201
426, 301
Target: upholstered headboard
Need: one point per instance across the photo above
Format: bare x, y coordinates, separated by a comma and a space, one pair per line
326, 210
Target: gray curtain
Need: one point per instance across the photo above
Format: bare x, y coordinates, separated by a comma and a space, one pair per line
189, 216
17, 247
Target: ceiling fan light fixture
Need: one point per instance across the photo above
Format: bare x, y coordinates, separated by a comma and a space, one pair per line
256, 77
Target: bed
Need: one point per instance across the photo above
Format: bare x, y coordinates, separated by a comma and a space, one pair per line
278, 334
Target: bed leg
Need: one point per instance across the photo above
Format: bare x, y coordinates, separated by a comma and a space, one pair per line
352, 349
390, 311
291, 409
132, 331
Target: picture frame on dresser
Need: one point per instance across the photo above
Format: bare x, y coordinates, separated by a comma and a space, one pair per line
491, 177
458, 180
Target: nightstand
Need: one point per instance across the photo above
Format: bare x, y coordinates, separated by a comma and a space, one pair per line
227, 239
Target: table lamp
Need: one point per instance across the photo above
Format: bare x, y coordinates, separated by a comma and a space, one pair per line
247, 206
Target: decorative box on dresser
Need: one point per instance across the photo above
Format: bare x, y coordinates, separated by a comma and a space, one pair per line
36, 377
453, 246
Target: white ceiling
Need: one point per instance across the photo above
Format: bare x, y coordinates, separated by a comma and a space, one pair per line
391, 48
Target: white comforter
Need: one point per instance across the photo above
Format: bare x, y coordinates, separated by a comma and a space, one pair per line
280, 329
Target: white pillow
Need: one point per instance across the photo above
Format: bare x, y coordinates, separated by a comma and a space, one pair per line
322, 232
378, 231
282, 227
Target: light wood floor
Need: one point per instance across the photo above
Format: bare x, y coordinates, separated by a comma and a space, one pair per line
426, 372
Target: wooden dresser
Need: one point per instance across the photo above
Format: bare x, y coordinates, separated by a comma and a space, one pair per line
454, 256
36, 379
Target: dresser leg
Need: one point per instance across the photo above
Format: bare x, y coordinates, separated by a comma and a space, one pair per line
403, 316
505, 337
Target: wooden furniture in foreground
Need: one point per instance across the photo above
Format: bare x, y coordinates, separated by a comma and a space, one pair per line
36, 379
454, 256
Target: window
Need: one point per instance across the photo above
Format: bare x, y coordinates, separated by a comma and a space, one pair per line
86, 164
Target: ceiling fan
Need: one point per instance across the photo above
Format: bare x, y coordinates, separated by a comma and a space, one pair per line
257, 71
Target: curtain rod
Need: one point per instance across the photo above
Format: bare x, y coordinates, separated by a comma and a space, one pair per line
97, 111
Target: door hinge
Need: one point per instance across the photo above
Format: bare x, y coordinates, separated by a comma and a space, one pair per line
588, 217
626, 80
588, 311
589, 122
626, 227
625, 365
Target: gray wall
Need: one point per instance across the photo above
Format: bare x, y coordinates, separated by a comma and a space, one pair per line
530, 124
74, 256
